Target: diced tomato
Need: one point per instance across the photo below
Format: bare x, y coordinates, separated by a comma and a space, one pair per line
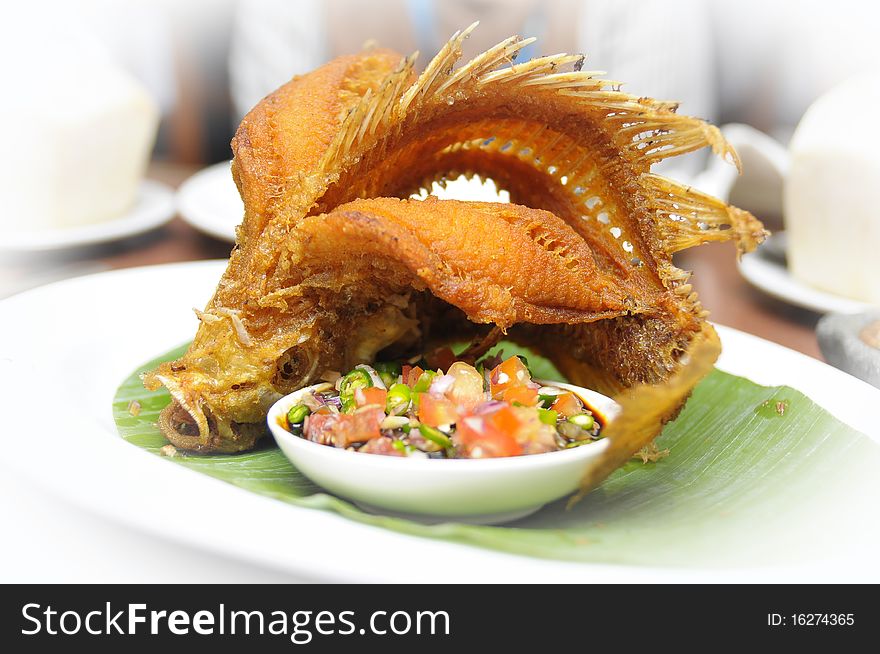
414, 374
383, 445
521, 394
361, 426
319, 427
344, 429
467, 389
505, 420
533, 435
508, 374
442, 358
434, 411
372, 395
567, 405
482, 439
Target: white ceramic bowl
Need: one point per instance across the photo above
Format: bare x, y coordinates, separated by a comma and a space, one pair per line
483, 491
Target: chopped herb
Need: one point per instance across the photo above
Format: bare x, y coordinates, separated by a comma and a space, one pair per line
297, 414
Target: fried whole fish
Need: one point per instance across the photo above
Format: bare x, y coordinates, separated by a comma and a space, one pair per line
333, 264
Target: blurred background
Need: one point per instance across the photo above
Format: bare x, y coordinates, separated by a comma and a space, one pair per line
119, 115
207, 62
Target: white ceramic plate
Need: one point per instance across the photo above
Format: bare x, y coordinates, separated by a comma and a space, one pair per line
71, 343
209, 201
765, 269
154, 206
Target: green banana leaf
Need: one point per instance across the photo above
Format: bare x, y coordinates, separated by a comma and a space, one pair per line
747, 481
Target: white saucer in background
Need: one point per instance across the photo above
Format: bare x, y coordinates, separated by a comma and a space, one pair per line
765, 269
760, 190
209, 201
153, 207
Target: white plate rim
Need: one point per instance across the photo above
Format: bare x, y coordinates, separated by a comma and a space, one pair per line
193, 211
154, 206
318, 532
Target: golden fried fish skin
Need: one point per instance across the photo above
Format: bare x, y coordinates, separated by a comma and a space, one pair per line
331, 267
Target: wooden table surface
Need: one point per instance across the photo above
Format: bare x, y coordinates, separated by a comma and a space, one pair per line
723, 291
